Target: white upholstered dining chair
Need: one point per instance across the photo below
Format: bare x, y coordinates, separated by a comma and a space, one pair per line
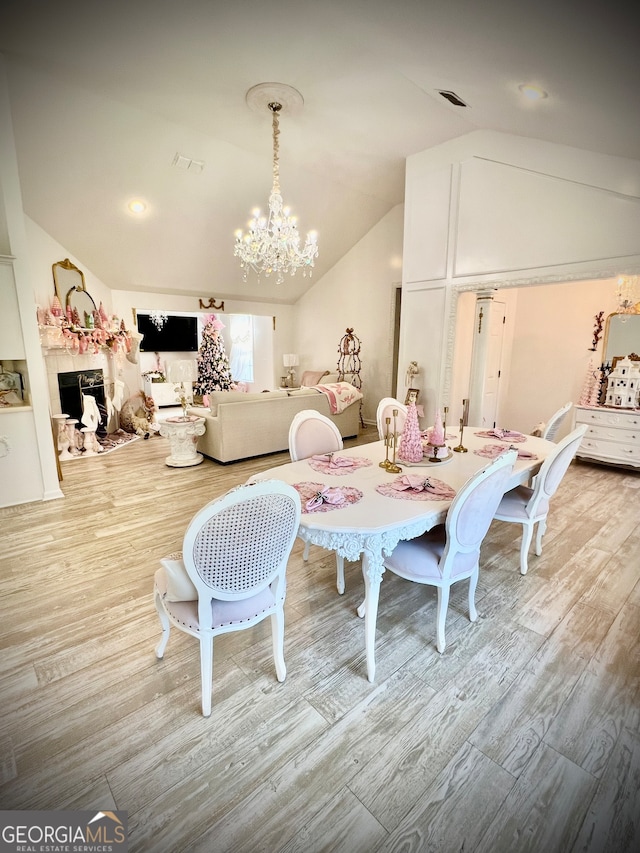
529, 505
385, 410
553, 424
230, 574
313, 433
451, 552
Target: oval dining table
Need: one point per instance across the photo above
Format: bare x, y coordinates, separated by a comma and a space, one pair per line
372, 525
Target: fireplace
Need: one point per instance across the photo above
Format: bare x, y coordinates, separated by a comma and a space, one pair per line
73, 384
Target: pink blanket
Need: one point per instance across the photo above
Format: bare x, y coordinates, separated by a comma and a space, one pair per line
340, 395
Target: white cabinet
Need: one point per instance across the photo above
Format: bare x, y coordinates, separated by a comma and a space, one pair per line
613, 435
163, 393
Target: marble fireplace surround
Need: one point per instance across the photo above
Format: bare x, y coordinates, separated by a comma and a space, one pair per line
59, 361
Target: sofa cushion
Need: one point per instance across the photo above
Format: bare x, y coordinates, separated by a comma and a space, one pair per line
301, 392
312, 377
217, 397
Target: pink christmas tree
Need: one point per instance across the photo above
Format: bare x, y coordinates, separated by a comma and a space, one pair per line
410, 449
589, 386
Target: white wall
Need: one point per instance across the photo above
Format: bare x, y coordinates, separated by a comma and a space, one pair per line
44, 251
547, 364
28, 470
490, 210
358, 292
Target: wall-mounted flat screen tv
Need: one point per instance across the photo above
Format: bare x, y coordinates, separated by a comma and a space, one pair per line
178, 334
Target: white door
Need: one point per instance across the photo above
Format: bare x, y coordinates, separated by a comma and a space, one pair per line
485, 362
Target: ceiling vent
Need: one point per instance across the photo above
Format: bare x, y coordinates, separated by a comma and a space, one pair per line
452, 98
186, 163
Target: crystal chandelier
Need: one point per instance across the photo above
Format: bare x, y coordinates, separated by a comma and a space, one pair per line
272, 244
628, 294
158, 318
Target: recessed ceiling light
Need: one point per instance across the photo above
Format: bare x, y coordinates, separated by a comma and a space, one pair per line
532, 93
136, 205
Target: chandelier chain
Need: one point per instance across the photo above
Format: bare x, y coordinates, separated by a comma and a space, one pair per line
275, 124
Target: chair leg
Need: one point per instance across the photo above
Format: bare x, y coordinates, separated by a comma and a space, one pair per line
527, 536
305, 553
206, 673
542, 529
277, 636
340, 573
473, 583
443, 603
166, 626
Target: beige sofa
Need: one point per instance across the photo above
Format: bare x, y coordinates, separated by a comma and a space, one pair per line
239, 425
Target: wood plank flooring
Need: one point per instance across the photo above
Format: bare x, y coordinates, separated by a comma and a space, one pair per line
523, 736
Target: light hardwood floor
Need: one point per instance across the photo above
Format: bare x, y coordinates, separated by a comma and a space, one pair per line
523, 736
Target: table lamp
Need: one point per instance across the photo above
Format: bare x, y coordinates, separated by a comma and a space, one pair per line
290, 360
183, 373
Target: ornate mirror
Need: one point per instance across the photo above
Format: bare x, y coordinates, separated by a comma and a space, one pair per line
621, 336
71, 290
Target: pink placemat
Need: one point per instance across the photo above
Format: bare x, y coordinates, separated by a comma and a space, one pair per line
316, 497
503, 435
493, 450
337, 465
416, 487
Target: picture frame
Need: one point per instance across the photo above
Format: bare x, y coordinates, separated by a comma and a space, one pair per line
412, 396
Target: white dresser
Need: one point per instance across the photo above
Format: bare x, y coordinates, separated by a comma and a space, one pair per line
613, 435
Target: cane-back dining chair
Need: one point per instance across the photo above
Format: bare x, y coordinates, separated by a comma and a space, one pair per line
451, 552
553, 424
385, 410
529, 505
311, 433
230, 574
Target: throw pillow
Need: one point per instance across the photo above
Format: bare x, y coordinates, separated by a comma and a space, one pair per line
312, 377
179, 584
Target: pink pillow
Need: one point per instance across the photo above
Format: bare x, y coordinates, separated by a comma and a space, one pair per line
312, 377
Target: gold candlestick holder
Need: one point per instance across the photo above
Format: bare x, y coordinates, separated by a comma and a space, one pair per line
393, 467
385, 462
461, 448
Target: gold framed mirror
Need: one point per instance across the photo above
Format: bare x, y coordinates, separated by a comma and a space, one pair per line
621, 336
71, 289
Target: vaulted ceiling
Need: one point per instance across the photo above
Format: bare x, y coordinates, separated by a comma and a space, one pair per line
105, 95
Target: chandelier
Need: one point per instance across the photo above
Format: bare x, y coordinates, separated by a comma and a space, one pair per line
272, 244
158, 318
628, 294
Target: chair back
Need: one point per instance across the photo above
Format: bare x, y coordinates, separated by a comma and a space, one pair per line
239, 544
553, 424
312, 432
470, 514
385, 410
552, 471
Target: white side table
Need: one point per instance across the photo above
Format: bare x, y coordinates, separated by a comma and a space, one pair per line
183, 434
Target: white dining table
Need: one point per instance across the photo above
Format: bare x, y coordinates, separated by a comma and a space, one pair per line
372, 527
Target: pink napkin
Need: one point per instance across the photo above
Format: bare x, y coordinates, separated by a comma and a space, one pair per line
524, 454
326, 495
493, 450
503, 434
334, 461
420, 483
